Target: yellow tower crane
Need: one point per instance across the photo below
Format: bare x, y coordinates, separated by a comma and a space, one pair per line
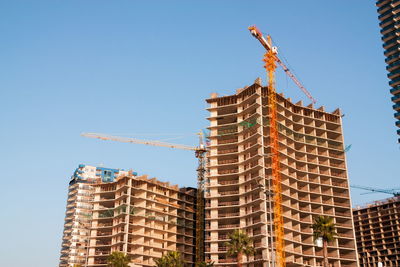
200, 153
270, 59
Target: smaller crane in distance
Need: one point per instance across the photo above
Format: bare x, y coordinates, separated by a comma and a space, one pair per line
200, 153
394, 192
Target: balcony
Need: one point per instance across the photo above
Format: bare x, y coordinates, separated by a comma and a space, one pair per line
224, 193
227, 260
227, 141
223, 237
228, 182
224, 226
228, 203
228, 171
104, 233
227, 161
380, 2
339, 184
395, 82
337, 155
222, 249
104, 225
395, 90
227, 151
338, 174
224, 215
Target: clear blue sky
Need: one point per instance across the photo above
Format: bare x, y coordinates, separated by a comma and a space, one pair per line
144, 68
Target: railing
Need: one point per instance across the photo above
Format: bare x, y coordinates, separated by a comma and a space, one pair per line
224, 215
337, 165
337, 156
341, 213
105, 224
342, 204
256, 221
99, 253
341, 184
224, 193
223, 226
226, 151
227, 182
346, 235
338, 174
227, 161
221, 142
228, 171
255, 209
230, 203
104, 234
226, 260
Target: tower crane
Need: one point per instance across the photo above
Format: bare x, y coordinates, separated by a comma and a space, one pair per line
271, 59
200, 154
259, 36
394, 192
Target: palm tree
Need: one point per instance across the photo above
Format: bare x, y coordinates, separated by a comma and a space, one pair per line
118, 259
240, 243
324, 228
171, 259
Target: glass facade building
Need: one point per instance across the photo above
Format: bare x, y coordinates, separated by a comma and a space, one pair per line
389, 17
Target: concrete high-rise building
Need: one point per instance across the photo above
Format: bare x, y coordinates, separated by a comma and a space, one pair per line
143, 218
389, 16
313, 171
115, 210
377, 228
79, 211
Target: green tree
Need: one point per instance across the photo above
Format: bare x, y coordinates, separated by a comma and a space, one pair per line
118, 259
240, 243
205, 264
324, 228
171, 259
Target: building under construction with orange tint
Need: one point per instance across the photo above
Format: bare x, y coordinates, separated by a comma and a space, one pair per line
239, 191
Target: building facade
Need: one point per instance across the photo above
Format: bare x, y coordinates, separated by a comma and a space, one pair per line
377, 228
313, 171
79, 211
115, 210
389, 17
143, 218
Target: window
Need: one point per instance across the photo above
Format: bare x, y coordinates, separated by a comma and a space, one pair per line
107, 176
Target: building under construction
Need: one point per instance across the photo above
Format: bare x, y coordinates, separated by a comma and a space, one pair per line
114, 210
144, 218
313, 171
79, 211
377, 227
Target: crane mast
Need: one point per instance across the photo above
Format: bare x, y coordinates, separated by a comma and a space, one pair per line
270, 60
200, 153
